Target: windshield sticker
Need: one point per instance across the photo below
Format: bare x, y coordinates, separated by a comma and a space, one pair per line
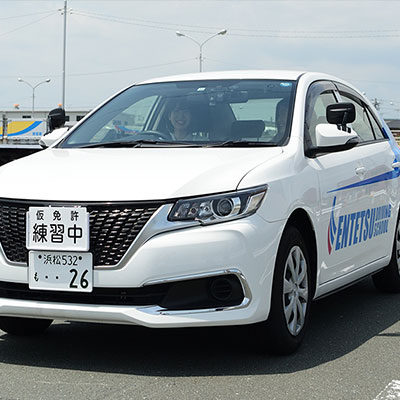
285, 84
357, 227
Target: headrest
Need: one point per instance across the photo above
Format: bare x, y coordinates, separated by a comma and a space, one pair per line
247, 129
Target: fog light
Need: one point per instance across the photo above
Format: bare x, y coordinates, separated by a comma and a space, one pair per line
221, 289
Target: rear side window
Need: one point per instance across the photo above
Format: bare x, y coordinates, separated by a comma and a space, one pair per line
377, 129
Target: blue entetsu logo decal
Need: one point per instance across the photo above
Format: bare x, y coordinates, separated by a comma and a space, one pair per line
357, 227
332, 228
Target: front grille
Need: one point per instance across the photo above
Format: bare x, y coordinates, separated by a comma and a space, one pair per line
113, 228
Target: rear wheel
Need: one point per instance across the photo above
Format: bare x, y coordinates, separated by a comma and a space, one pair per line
388, 280
24, 326
285, 327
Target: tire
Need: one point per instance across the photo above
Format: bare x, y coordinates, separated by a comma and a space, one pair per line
283, 332
388, 280
24, 326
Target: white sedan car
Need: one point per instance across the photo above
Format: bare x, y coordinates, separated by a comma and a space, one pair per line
224, 198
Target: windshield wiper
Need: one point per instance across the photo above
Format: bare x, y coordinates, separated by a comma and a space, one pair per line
120, 143
162, 143
139, 143
241, 143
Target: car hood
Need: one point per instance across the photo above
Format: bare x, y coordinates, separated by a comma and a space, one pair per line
128, 174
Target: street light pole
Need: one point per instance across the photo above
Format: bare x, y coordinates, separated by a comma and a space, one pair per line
33, 91
64, 54
201, 44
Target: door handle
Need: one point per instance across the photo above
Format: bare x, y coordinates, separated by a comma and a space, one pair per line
396, 164
360, 171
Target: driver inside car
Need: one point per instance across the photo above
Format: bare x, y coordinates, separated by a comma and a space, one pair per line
181, 120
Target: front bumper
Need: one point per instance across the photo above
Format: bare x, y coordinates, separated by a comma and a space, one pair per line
245, 248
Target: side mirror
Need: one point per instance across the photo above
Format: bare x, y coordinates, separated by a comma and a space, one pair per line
52, 137
331, 139
56, 119
341, 114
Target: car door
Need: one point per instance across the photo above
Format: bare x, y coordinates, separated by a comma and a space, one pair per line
343, 198
380, 186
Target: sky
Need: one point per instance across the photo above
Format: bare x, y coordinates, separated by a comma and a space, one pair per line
111, 44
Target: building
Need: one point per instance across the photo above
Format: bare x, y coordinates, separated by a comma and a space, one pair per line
72, 116
17, 126
394, 125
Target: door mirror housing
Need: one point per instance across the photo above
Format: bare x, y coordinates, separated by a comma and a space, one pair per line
331, 139
56, 119
328, 135
52, 137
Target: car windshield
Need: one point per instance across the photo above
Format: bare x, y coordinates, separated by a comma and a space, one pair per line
200, 113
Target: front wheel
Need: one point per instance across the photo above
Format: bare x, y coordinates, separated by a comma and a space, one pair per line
24, 326
285, 327
388, 280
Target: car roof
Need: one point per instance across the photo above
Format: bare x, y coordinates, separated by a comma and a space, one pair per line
243, 74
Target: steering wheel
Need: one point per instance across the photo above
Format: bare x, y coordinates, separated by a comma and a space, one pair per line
157, 134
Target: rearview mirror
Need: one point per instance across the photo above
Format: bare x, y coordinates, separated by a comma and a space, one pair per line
341, 114
216, 96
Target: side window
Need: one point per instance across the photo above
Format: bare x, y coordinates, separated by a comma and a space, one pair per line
323, 100
316, 113
361, 125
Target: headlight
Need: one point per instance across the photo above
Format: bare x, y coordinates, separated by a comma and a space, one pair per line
220, 207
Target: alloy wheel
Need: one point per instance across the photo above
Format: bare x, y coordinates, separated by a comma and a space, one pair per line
398, 247
295, 289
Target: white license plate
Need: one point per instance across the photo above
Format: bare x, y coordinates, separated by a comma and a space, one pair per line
57, 228
67, 271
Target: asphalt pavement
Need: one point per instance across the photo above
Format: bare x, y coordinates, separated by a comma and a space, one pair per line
352, 351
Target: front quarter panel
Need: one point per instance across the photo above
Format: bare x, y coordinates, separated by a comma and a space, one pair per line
291, 182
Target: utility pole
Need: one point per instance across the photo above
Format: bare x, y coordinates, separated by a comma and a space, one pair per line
4, 122
64, 54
